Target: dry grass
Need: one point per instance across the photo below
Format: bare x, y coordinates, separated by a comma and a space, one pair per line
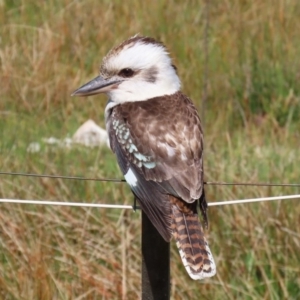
47, 49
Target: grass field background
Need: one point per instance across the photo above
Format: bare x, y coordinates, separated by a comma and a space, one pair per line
252, 121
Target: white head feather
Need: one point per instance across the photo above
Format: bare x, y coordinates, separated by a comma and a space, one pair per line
153, 72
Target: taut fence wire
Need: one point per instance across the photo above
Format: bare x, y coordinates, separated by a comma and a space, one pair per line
117, 180
62, 177
120, 206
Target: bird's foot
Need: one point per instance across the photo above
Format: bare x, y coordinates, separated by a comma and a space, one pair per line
203, 208
134, 205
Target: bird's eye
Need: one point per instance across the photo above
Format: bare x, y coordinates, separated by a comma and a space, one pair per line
126, 73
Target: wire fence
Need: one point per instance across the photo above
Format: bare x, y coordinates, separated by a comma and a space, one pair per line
266, 184
120, 206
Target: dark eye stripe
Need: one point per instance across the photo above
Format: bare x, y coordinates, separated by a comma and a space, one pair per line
126, 73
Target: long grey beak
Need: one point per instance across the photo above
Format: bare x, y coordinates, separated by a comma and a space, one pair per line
96, 86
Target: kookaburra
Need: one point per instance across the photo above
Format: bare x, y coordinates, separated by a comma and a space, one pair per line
156, 134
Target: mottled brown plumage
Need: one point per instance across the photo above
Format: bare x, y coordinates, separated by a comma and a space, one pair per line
168, 130
189, 236
156, 134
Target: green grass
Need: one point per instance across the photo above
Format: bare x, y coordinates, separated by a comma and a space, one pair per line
48, 49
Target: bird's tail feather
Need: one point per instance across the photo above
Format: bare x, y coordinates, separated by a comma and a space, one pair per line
191, 242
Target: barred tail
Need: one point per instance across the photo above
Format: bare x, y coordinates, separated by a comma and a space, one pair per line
191, 242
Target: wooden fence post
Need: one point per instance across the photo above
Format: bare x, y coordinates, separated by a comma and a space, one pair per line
155, 263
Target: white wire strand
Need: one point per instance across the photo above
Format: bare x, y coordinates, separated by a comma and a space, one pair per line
253, 200
60, 203
120, 206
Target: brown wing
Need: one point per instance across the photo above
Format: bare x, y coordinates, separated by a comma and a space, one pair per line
168, 130
160, 143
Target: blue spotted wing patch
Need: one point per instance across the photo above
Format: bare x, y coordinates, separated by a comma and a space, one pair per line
124, 138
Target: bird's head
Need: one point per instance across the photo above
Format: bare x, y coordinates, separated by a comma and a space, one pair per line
138, 69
